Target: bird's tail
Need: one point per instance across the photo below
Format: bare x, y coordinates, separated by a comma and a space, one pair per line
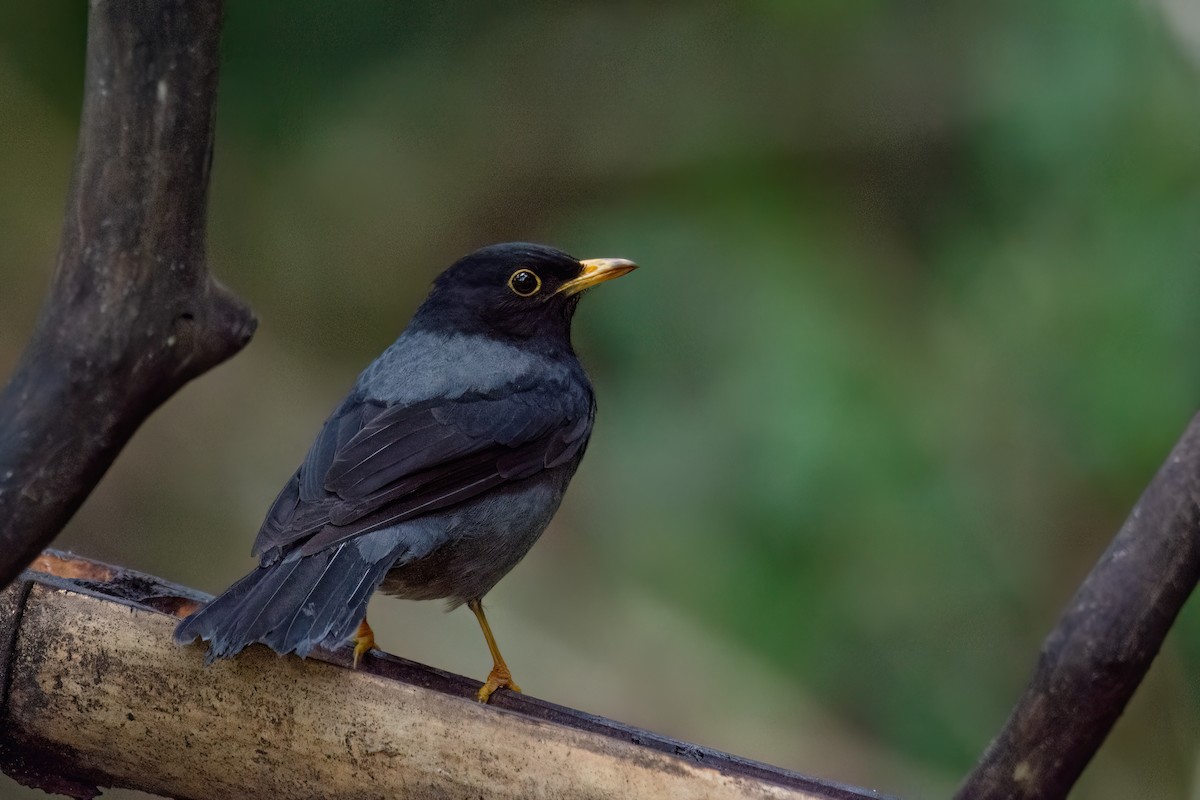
291, 605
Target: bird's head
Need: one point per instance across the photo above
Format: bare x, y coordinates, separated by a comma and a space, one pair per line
514, 291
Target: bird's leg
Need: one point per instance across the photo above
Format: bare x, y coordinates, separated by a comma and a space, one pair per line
499, 677
364, 640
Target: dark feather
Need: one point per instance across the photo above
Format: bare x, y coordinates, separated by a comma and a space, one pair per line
480, 392
294, 605
407, 460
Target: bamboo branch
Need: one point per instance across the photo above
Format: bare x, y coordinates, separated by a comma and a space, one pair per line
1104, 643
132, 313
96, 694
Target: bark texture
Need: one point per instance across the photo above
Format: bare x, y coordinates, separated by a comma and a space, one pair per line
132, 313
1103, 644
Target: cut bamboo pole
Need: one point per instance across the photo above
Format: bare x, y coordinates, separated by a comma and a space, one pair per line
97, 694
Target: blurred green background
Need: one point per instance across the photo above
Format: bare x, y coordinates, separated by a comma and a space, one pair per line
915, 325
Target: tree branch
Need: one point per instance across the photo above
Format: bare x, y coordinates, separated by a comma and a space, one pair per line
1096, 656
132, 313
95, 693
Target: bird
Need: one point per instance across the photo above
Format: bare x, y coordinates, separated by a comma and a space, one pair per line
439, 470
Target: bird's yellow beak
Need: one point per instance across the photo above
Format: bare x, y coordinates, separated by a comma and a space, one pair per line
597, 270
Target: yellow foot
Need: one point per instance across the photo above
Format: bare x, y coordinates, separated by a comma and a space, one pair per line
498, 678
364, 640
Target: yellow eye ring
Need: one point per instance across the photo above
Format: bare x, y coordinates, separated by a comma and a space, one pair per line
525, 283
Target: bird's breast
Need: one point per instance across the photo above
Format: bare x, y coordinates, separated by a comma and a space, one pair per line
423, 365
484, 539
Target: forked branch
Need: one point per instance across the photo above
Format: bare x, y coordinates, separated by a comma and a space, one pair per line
132, 313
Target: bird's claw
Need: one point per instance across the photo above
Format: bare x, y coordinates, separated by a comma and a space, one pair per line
364, 640
498, 678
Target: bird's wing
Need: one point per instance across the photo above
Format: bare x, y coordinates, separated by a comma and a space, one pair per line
375, 465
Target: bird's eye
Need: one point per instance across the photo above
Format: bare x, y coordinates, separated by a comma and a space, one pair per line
525, 283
